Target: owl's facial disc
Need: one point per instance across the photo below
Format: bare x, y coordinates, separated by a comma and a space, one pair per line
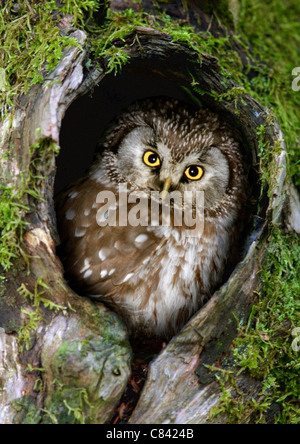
147, 163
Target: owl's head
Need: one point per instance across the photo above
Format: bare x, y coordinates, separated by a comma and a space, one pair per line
162, 144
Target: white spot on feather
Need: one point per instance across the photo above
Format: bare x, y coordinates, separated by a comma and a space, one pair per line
127, 277
117, 245
73, 194
85, 266
102, 254
70, 214
103, 274
87, 274
141, 238
79, 232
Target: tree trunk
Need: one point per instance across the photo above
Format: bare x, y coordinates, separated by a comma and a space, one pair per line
66, 359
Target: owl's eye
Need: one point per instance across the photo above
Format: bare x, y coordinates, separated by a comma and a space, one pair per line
194, 172
151, 159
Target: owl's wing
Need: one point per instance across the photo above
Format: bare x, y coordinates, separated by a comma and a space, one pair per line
97, 259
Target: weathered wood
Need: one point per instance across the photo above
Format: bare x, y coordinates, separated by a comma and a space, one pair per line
292, 209
74, 363
180, 389
62, 358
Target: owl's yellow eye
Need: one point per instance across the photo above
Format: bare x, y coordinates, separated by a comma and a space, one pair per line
194, 172
151, 159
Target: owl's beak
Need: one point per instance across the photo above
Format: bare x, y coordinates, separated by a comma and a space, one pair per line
166, 187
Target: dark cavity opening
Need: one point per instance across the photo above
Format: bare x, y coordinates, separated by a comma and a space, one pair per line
89, 115
82, 127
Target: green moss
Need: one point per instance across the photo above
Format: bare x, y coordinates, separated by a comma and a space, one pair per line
232, 401
34, 317
265, 350
272, 28
30, 43
14, 201
12, 224
26, 412
82, 369
224, 10
274, 59
81, 10
30, 46
69, 403
105, 41
68, 406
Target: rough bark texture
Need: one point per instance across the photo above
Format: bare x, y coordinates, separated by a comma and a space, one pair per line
67, 362
73, 363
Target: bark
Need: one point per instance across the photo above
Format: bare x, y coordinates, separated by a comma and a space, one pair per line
66, 359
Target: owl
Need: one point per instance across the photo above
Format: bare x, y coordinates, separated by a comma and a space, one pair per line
154, 274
